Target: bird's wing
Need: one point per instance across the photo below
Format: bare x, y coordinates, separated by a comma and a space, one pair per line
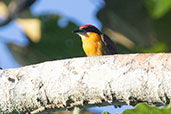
108, 45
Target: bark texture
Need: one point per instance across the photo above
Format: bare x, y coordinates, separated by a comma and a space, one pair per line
102, 80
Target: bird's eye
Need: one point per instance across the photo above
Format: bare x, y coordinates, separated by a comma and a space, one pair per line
83, 29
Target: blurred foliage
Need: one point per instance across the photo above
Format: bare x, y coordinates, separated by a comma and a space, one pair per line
31, 28
6, 1
143, 108
3, 9
15, 8
129, 18
105, 112
159, 47
47, 41
158, 8
56, 43
132, 20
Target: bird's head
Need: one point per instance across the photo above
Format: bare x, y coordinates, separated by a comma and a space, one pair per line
84, 30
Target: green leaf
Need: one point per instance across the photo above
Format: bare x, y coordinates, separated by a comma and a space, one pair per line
76, 110
157, 48
143, 108
105, 112
158, 8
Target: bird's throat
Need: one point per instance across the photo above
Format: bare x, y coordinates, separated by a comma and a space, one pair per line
92, 44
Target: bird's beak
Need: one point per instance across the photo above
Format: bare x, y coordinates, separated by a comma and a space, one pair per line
79, 31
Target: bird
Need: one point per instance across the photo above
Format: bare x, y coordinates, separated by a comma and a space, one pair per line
94, 42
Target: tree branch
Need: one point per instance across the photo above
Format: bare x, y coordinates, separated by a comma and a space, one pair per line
87, 81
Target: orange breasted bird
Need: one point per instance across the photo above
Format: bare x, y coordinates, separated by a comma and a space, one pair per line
94, 42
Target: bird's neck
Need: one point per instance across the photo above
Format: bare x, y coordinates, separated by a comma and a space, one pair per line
92, 44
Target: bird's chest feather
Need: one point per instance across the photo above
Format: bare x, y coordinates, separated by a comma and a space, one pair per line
92, 44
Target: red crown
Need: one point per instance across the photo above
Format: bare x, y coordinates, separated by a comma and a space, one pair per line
85, 26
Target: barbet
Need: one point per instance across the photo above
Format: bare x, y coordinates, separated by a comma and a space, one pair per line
94, 42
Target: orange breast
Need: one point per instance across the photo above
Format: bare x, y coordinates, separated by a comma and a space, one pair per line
92, 44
